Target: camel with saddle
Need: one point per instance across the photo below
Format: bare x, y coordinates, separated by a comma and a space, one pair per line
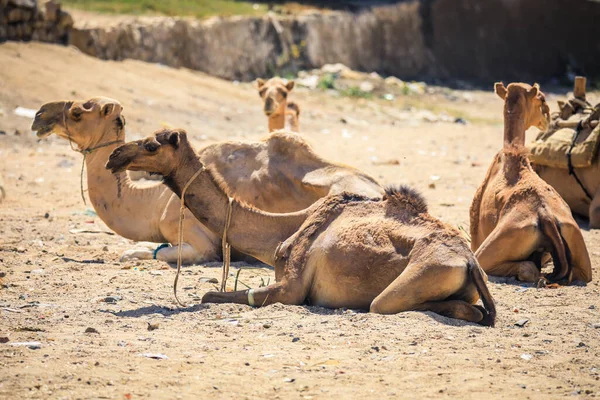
566, 155
386, 255
518, 221
281, 173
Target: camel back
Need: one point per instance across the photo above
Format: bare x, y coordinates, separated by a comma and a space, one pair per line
573, 130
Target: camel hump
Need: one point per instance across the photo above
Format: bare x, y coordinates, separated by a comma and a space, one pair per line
406, 197
291, 105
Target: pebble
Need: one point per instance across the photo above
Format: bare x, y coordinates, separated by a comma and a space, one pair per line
152, 326
526, 356
91, 330
521, 323
31, 345
112, 299
596, 325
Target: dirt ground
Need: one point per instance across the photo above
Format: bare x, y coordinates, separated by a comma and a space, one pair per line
57, 282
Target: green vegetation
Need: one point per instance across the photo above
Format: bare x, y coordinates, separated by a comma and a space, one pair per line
327, 82
355, 91
192, 8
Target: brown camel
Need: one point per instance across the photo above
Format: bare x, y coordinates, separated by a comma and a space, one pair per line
386, 255
518, 220
565, 183
281, 173
282, 114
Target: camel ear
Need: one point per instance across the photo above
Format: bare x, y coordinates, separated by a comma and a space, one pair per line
533, 91
173, 138
500, 90
260, 82
107, 110
289, 86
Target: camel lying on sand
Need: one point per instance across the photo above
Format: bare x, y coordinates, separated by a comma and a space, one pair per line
517, 219
386, 255
282, 114
281, 173
584, 197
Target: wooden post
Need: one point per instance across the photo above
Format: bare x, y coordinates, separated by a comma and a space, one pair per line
579, 87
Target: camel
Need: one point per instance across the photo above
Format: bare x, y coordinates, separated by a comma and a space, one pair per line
281, 173
584, 197
518, 220
282, 114
385, 255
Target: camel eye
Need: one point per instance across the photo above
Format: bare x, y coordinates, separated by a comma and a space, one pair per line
151, 147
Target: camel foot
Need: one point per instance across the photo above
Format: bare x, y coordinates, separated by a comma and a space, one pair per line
137, 254
528, 272
487, 319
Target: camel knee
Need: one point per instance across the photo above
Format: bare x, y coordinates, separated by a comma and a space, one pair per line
528, 272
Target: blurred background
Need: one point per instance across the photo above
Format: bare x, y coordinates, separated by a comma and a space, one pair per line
457, 42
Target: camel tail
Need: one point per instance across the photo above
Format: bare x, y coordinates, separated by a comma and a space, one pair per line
476, 274
561, 254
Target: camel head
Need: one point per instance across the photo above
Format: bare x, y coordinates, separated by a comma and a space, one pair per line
522, 101
159, 153
85, 123
274, 93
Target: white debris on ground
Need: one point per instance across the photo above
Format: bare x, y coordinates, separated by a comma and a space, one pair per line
340, 80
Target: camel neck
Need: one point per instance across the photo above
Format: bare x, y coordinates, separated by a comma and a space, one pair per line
127, 208
514, 129
251, 231
277, 120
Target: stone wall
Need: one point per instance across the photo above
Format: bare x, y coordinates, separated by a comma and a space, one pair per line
25, 20
472, 40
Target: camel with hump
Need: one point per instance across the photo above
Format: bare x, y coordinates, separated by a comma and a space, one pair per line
584, 197
386, 255
518, 221
281, 173
282, 113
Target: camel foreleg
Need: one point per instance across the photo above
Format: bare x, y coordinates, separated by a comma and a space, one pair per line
291, 293
423, 287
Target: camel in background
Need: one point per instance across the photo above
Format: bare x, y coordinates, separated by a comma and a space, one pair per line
281, 173
386, 255
282, 114
517, 219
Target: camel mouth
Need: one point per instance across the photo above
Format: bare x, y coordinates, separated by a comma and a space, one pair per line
117, 161
43, 132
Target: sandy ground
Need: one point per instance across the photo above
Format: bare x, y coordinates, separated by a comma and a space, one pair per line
56, 282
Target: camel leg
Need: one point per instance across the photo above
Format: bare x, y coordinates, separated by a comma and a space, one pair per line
140, 251
501, 244
595, 211
285, 292
426, 288
580, 258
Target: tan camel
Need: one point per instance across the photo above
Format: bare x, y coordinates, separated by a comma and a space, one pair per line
565, 183
518, 220
282, 114
281, 173
386, 255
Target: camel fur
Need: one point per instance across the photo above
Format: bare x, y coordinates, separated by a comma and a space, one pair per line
282, 114
517, 220
281, 173
386, 255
